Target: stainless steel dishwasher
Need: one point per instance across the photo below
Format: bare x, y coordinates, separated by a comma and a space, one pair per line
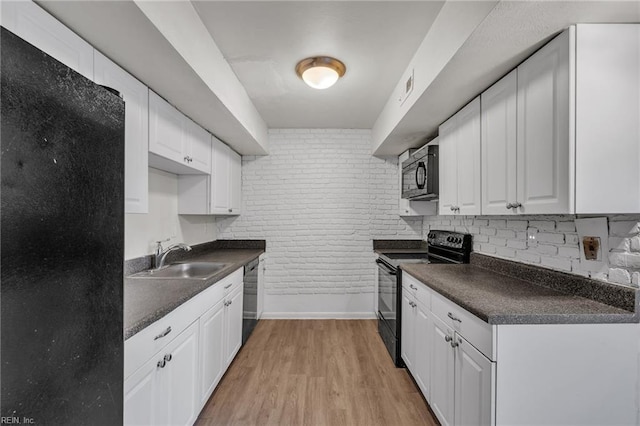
250, 299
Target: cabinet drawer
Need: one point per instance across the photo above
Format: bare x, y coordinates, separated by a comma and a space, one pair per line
469, 326
233, 281
420, 292
143, 345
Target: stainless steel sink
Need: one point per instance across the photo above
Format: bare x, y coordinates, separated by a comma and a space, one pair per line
190, 270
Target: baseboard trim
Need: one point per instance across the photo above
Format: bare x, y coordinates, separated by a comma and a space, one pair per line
318, 315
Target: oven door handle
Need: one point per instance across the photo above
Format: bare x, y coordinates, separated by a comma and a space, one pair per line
389, 269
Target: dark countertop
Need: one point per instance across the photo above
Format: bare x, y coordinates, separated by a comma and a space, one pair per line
401, 250
148, 300
503, 299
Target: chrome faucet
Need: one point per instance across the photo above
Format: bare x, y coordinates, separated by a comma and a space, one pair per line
161, 254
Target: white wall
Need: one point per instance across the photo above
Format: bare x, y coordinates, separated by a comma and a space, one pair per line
556, 245
319, 199
162, 221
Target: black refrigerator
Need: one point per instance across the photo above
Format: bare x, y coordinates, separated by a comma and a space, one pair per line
61, 242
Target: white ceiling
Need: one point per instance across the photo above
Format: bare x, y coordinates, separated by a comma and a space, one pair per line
263, 41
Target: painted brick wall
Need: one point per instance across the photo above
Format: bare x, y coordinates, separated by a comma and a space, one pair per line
556, 244
319, 199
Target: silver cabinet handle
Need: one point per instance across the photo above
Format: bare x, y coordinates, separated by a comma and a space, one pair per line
230, 302
168, 357
164, 333
454, 344
450, 315
227, 286
452, 208
412, 287
516, 205
230, 210
186, 158
162, 363
509, 206
448, 338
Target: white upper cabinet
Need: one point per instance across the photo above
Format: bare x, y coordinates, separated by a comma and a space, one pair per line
608, 118
31, 23
198, 146
545, 141
498, 106
219, 193
570, 117
176, 144
460, 162
136, 131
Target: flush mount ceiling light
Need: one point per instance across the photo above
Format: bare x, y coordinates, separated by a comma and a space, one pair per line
320, 72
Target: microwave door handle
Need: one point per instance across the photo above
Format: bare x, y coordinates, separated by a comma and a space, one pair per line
419, 184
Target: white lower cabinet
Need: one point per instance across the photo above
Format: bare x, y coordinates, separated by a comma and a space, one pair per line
163, 391
442, 372
416, 338
473, 385
212, 356
518, 374
171, 386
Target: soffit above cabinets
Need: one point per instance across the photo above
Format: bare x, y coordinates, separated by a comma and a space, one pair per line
509, 33
467, 46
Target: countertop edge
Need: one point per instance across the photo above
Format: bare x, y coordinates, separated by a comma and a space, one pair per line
536, 318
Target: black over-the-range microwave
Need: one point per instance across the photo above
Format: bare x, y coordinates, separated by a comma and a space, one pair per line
420, 174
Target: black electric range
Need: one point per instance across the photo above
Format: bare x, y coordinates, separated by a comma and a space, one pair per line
442, 247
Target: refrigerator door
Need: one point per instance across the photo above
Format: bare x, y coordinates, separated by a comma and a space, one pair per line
62, 238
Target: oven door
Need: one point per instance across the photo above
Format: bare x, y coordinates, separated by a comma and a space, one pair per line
387, 293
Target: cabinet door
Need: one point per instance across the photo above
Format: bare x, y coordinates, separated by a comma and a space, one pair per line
166, 130
498, 112
141, 394
235, 177
442, 372
468, 159
212, 356
545, 143
180, 378
422, 356
31, 23
136, 131
473, 386
219, 177
407, 341
448, 167
199, 147
233, 325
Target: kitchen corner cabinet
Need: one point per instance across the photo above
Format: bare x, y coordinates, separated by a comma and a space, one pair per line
219, 193
172, 367
33, 24
460, 162
406, 207
136, 131
176, 144
560, 133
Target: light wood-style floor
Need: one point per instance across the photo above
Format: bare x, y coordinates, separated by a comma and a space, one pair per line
315, 372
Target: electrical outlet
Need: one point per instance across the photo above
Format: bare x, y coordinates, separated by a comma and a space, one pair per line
591, 247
